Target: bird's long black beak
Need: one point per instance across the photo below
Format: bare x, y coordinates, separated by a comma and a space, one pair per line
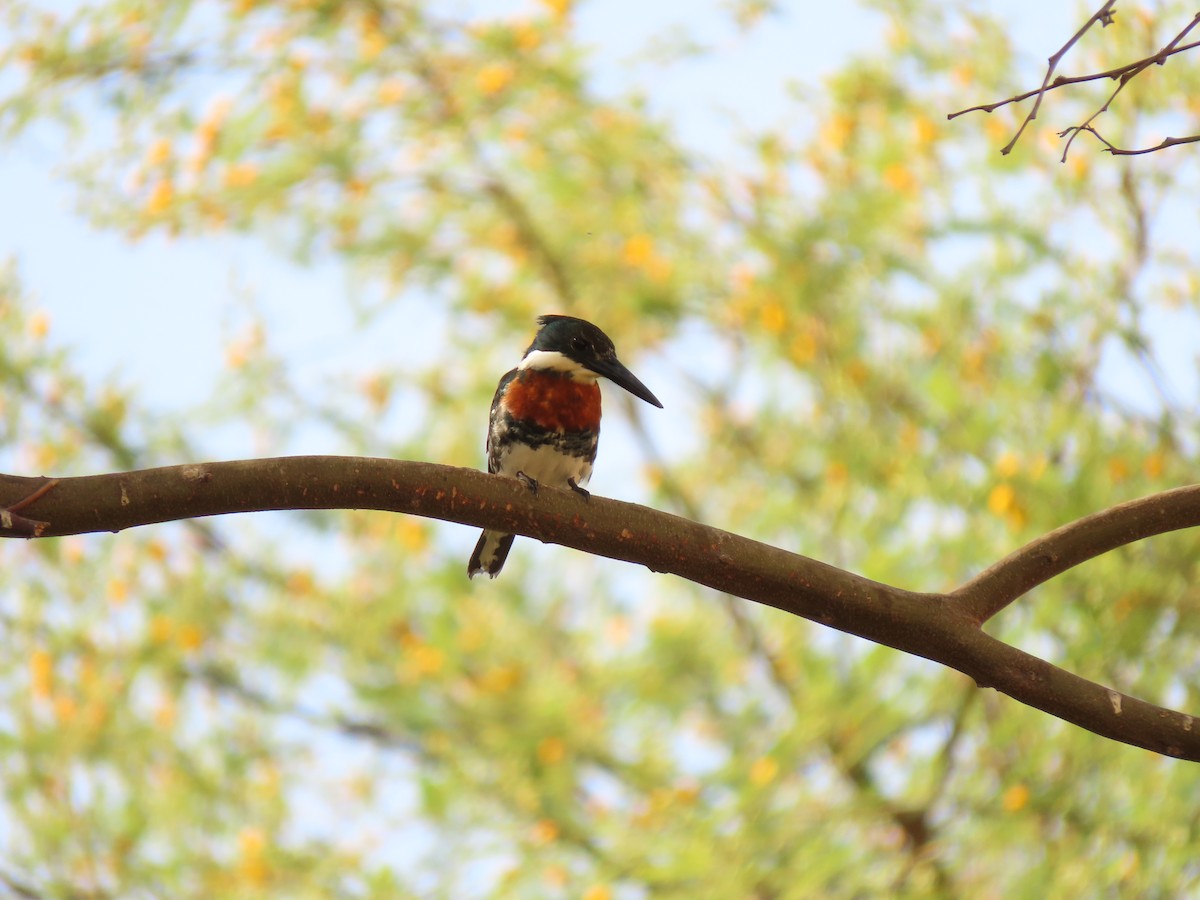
612, 369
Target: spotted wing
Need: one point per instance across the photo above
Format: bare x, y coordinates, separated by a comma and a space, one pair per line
496, 424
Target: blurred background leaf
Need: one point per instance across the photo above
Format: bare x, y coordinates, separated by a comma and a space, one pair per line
880, 344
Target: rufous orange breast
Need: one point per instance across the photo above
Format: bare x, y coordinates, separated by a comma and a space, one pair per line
553, 401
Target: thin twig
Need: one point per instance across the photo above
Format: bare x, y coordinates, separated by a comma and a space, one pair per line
1144, 64
1122, 74
1166, 142
1104, 16
1067, 81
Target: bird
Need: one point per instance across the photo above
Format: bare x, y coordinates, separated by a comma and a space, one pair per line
544, 425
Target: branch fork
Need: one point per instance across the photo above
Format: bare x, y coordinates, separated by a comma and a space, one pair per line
944, 627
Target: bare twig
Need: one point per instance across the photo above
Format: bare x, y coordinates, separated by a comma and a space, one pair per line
941, 627
1141, 66
1104, 16
1122, 74
1166, 142
1067, 81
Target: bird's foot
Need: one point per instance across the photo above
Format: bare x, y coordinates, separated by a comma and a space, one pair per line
530, 483
585, 494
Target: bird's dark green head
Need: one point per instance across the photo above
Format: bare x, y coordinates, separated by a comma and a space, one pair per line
582, 350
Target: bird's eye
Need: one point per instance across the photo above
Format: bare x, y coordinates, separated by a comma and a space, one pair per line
579, 345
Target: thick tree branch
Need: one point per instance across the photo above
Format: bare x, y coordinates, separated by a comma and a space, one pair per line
1066, 547
941, 627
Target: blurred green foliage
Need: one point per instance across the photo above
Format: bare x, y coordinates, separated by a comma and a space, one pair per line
888, 341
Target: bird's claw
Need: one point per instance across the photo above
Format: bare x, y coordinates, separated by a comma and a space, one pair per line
530, 483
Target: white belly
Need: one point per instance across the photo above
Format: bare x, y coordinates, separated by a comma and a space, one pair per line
545, 465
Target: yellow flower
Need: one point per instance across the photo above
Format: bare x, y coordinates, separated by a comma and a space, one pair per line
1001, 499
160, 198
1037, 466
1015, 798
741, 278
527, 37
372, 41
1118, 469
1017, 518
598, 892
421, 660
836, 131
117, 591
1154, 465
803, 348
638, 251
300, 582
774, 317
160, 629
560, 9
38, 325
900, 178
500, 680
158, 152
926, 130
253, 865
45, 456
659, 269
494, 77
551, 750
41, 673
165, 714
241, 175
1008, 464
391, 91
997, 128
191, 637
65, 708
544, 832
617, 631
412, 534
763, 771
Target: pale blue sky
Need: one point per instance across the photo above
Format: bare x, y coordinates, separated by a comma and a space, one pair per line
156, 311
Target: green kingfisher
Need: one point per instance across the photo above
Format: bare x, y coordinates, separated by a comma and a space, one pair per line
545, 421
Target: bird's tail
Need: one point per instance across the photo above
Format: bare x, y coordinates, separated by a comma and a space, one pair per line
490, 553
